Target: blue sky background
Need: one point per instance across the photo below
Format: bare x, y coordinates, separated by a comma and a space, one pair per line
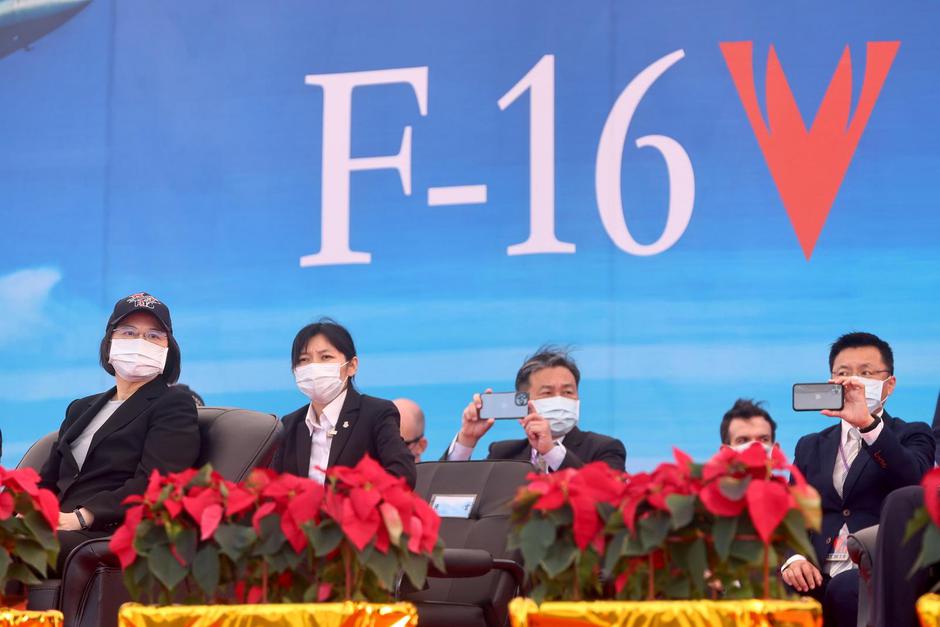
173, 147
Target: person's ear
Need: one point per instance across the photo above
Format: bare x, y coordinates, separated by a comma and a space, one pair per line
352, 367
888, 387
422, 445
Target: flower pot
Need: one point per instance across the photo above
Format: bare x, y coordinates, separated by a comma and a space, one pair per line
750, 612
349, 613
21, 618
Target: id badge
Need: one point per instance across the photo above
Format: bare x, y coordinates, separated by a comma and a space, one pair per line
840, 552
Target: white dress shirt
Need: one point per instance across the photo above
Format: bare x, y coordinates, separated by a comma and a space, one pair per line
553, 459
322, 429
81, 444
834, 568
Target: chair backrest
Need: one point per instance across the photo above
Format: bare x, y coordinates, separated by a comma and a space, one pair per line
494, 483
233, 440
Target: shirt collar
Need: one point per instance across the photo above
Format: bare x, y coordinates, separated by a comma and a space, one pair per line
330, 413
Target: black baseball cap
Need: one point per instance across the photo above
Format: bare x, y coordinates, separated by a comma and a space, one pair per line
141, 301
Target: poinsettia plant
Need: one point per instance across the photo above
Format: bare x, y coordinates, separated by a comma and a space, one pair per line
29, 516
684, 530
276, 538
928, 519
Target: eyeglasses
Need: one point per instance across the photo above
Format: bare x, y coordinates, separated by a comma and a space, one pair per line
414, 441
867, 374
127, 332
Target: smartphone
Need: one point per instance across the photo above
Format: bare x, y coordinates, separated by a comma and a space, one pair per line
817, 396
505, 405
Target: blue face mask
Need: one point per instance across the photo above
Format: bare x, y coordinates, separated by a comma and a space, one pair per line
561, 413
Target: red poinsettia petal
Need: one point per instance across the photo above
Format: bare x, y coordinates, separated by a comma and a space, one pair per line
238, 500
305, 507
364, 501
931, 484
211, 517
263, 510
768, 503
358, 530
254, 595
414, 539
324, 592
294, 534
718, 504
48, 506
430, 524
196, 505
6, 505
392, 520
154, 485
173, 506
586, 521
122, 542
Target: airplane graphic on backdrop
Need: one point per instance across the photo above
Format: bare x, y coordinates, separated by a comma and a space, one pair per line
24, 21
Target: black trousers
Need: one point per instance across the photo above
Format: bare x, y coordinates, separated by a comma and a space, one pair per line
68, 540
895, 594
839, 597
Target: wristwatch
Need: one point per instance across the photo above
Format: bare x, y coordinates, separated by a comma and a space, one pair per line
81, 519
872, 426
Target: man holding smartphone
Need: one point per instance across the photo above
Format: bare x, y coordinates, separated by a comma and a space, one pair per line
552, 438
854, 465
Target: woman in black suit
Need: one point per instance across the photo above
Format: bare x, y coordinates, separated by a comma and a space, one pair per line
110, 442
339, 425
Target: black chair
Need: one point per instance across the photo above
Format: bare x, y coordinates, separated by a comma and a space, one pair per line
91, 589
481, 576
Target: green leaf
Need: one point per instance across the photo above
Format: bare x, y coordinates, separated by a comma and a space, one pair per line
559, 559
325, 537
271, 536
186, 545
693, 556
234, 540
534, 539
750, 551
723, 533
206, 569
653, 530
794, 525
385, 567
165, 567
39, 527
415, 567
5, 562
930, 549
19, 571
615, 550
32, 553
677, 587
681, 508
915, 524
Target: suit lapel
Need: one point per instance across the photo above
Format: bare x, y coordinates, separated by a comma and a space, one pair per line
348, 414
860, 463
129, 410
81, 423
304, 440
830, 456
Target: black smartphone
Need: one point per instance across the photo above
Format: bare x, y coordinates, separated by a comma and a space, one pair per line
817, 396
504, 405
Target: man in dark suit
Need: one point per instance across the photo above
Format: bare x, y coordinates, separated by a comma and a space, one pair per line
854, 465
552, 439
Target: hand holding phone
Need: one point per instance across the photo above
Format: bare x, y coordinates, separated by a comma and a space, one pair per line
472, 426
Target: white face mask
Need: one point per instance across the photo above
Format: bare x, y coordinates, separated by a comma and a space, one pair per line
740, 448
561, 413
320, 383
873, 389
137, 360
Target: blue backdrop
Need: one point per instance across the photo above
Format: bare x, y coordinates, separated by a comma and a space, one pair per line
178, 148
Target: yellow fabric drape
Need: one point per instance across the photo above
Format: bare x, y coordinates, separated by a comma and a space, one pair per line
347, 614
745, 613
928, 609
22, 618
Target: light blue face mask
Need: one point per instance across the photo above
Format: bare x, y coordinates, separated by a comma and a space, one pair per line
560, 412
873, 390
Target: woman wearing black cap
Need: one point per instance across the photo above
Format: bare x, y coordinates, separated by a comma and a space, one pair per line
110, 442
339, 426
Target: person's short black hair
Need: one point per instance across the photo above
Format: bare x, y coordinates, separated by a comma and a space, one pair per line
335, 333
745, 409
171, 370
546, 356
859, 339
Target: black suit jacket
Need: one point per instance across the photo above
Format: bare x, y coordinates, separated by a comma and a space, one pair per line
903, 452
373, 429
583, 447
156, 428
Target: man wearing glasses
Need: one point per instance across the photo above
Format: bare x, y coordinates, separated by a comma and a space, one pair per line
854, 465
412, 426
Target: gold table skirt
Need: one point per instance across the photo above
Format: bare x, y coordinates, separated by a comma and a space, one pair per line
347, 614
928, 610
745, 613
22, 618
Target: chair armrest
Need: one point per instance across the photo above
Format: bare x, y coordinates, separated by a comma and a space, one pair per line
460, 563
861, 548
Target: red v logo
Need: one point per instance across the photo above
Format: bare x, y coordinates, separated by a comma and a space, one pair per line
808, 167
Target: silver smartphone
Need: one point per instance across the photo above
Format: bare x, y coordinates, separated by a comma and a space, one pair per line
504, 405
817, 396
